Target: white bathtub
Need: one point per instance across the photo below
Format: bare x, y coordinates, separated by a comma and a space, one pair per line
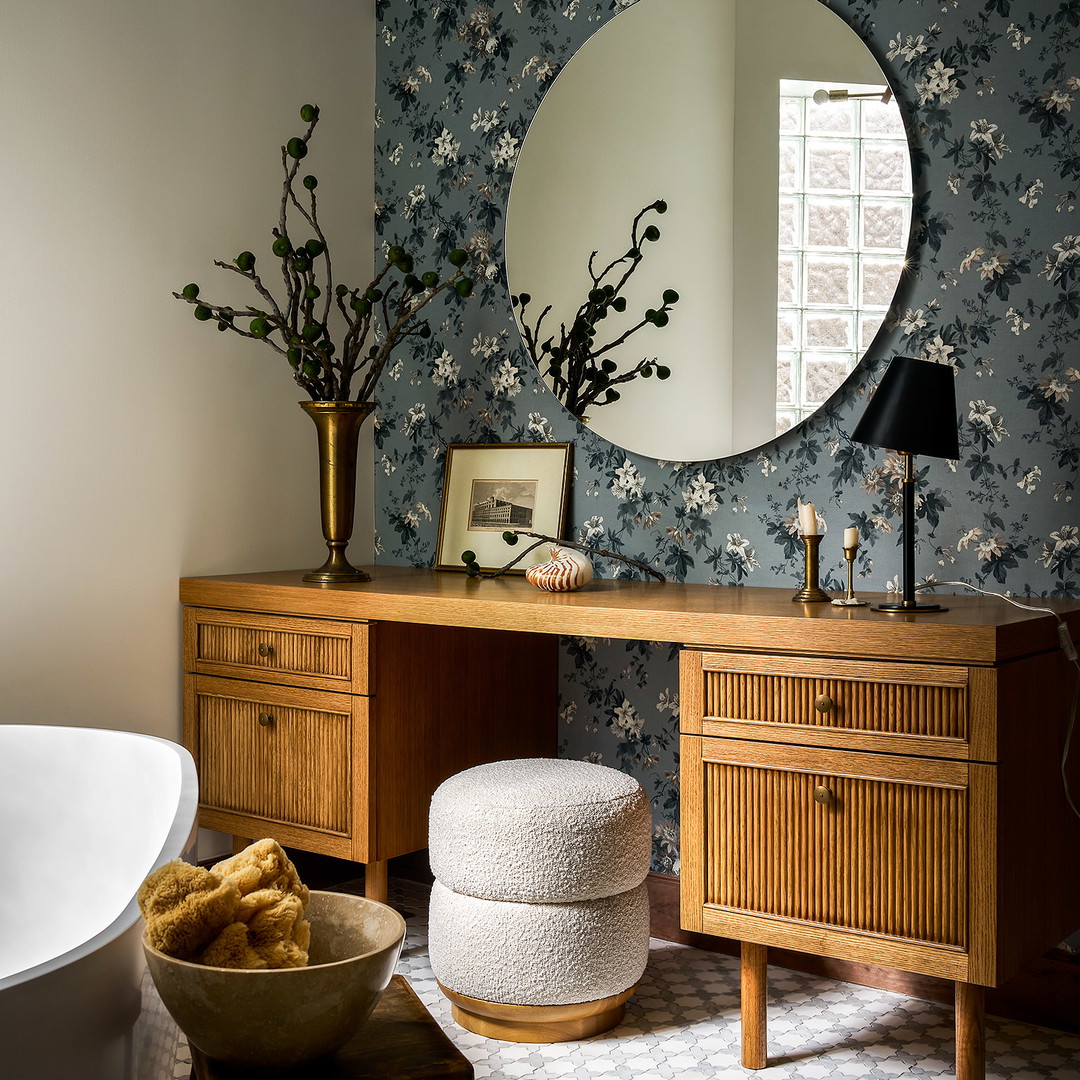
85, 815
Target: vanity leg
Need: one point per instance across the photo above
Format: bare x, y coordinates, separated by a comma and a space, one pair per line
970, 1032
375, 880
754, 978
239, 843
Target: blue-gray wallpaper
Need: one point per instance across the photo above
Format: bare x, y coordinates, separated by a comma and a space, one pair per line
991, 90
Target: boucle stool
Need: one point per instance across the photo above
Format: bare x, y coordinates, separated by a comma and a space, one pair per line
539, 918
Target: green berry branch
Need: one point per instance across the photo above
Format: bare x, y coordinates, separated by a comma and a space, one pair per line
472, 567
583, 374
299, 327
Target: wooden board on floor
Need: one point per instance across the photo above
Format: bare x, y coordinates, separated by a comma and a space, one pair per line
400, 1041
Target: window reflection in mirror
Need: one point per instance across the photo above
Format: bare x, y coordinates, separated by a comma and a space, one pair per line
679, 99
845, 215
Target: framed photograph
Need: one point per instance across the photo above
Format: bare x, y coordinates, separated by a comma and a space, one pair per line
490, 488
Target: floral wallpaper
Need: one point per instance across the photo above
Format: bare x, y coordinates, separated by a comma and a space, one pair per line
991, 90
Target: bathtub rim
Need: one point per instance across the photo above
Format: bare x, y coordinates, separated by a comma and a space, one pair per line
179, 839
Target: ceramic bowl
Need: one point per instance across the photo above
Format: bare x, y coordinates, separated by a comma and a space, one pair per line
287, 1016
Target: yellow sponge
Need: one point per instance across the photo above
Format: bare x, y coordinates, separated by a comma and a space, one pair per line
247, 911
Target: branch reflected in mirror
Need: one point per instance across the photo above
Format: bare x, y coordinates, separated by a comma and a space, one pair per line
582, 373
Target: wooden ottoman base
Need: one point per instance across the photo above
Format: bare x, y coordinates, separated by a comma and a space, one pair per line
537, 1023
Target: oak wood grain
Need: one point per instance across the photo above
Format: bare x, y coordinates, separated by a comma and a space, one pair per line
727, 617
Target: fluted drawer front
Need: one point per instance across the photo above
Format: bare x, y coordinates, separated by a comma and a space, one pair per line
274, 761
309, 653
897, 708
853, 696
878, 856
317, 653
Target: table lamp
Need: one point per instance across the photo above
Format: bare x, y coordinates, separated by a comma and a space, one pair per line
913, 411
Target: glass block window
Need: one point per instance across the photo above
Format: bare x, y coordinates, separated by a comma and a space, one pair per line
845, 214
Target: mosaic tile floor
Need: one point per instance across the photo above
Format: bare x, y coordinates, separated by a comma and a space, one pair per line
683, 1024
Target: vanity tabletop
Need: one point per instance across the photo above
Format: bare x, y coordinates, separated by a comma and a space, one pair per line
975, 629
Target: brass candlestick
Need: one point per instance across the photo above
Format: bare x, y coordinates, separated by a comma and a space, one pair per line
849, 600
810, 592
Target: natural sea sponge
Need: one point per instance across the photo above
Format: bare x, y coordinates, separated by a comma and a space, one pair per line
246, 911
186, 907
263, 865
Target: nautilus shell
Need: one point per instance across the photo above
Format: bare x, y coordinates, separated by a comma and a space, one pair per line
565, 571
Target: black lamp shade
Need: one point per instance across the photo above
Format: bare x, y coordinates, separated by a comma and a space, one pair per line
913, 410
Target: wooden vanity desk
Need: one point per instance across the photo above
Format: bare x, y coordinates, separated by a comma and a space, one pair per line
872, 787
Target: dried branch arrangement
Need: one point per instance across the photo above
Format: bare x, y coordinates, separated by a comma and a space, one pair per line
472, 567
585, 374
371, 321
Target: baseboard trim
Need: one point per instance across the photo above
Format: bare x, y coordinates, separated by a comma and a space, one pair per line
1046, 992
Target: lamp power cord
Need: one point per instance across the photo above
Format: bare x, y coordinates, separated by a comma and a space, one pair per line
1067, 647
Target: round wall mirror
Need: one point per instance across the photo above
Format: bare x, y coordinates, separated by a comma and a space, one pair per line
785, 178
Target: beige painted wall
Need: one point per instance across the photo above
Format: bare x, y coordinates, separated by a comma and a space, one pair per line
139, 142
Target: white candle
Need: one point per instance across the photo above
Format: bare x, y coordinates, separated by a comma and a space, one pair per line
807, 519
851, 538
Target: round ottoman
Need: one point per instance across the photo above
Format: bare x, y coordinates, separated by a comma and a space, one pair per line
540, 830
539, 919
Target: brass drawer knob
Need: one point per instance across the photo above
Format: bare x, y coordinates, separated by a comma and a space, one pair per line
265, 719
823, 703
822, 795
265, 649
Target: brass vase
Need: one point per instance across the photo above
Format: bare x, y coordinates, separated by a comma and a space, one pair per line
338, 424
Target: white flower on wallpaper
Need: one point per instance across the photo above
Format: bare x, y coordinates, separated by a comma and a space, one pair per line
970, 537
414, 418
539, 427
591, 530
1028, 482
505, 150
505, 380
668, 701
1062, 543
994, 265
907, 49
485, 345
988, 419
938, 82
485, 120
628, 483
446, 148
1016, 321
413, 201
543, 68
1017, 37
1031, 193
626, 721
913, 321
1064, 259
939, 351
739, 547
988, 138
446, 371
700, 496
